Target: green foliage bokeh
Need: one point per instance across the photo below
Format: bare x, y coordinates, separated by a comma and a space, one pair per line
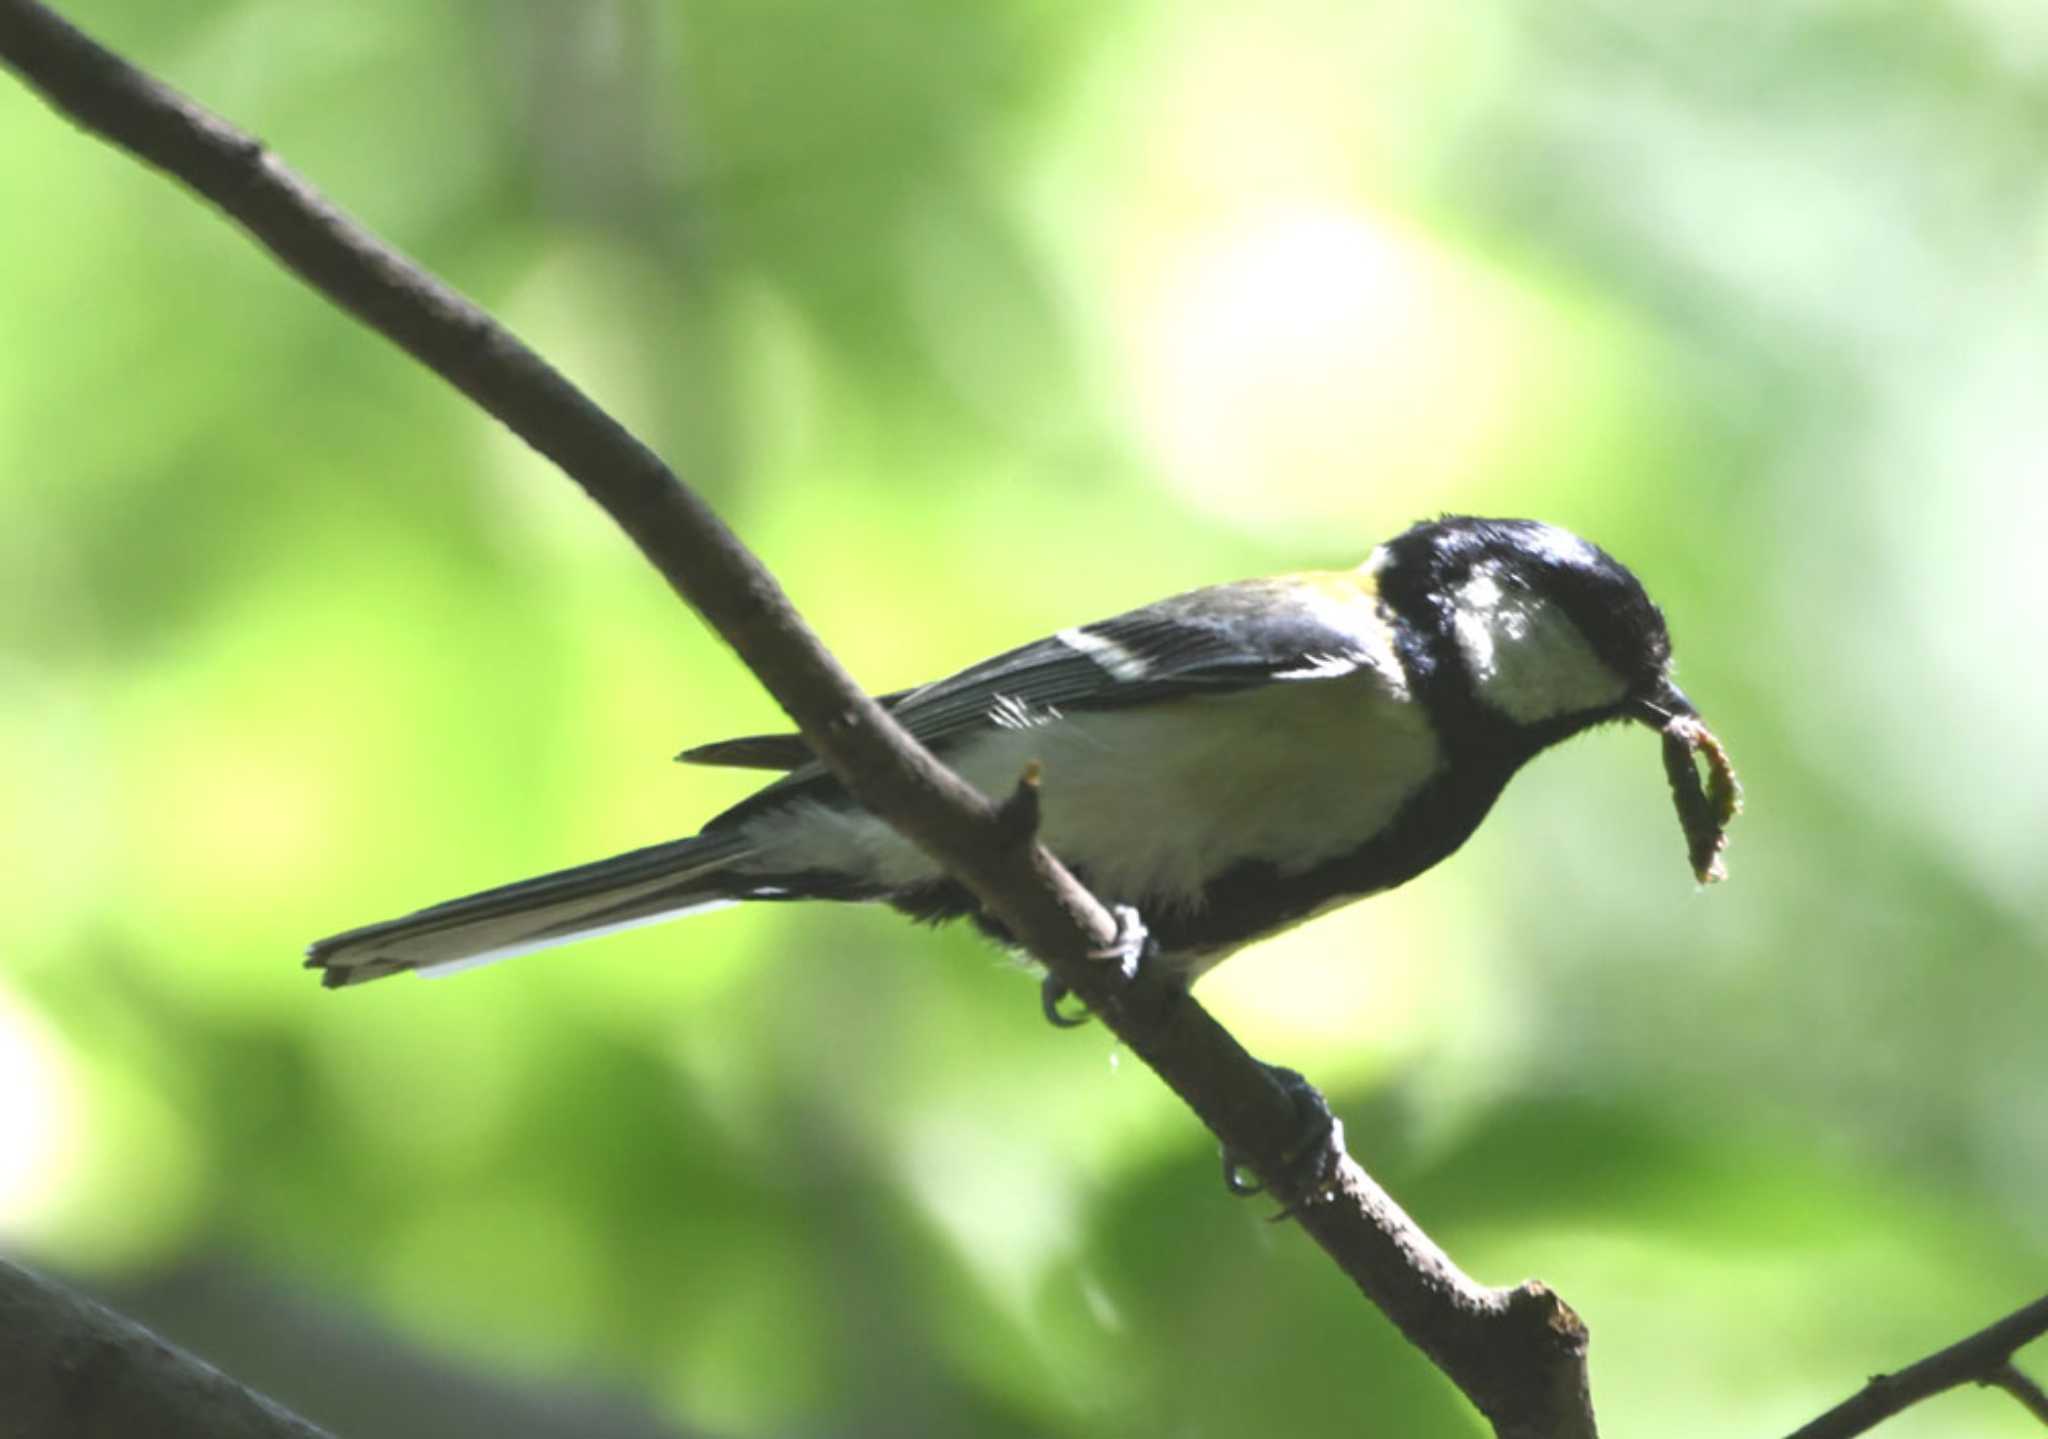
978, 321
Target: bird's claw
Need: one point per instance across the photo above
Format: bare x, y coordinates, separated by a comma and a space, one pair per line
1309, 1165
1129, 950
1131, 947
1052, 993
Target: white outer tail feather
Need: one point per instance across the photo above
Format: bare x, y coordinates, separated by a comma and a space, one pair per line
441, 969
646, 886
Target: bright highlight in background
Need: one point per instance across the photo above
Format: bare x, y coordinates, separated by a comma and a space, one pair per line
39, 1115
1287, 356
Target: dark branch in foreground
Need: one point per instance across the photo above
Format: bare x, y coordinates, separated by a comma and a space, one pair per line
1983, 1358
72, 1370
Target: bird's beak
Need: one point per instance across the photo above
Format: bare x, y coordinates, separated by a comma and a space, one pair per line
1663, 704
1704, 815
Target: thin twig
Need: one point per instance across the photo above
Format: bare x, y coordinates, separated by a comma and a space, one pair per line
1518, 1354
2030, 1395
1983, 1358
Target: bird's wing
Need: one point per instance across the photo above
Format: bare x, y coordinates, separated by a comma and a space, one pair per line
1207, 642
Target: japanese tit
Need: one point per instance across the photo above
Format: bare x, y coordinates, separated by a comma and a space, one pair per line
1229, 762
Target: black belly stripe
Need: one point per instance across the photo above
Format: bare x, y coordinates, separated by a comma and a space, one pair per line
1256, 896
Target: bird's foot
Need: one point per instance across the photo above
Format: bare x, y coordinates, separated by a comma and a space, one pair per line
1052, 993
1309, 1165
1130, 951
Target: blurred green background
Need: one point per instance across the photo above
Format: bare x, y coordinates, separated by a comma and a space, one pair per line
978, 321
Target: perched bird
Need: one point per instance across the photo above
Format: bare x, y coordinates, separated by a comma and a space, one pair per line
1227, 762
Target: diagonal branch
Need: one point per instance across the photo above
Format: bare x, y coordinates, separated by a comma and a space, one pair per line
1983, 1358
1518, 1354
70, 1368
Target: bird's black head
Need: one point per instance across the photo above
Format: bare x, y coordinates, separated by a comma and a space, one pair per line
1519, 634
1531, 625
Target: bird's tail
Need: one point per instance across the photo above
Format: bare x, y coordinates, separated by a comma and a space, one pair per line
660, 882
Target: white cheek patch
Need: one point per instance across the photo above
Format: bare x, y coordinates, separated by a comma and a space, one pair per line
1527, 659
